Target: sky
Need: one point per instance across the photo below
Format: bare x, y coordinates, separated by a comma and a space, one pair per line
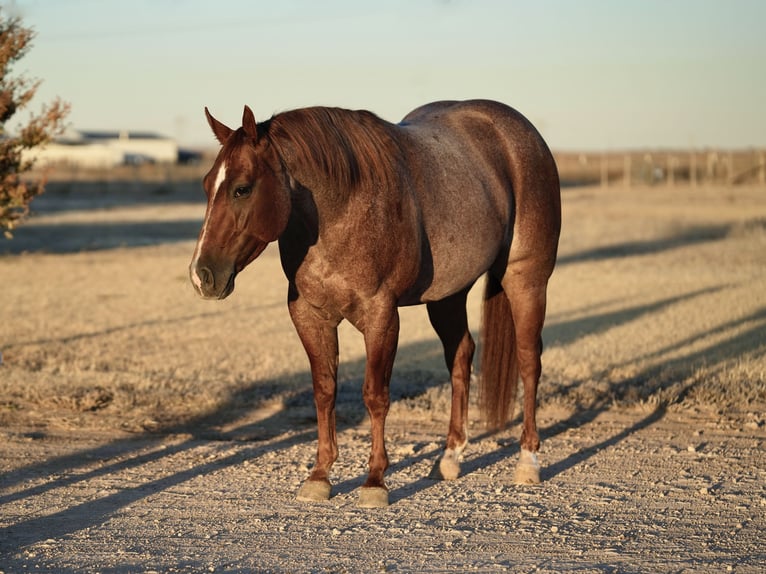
590, 74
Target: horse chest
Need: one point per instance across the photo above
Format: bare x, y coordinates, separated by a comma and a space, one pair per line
329, 291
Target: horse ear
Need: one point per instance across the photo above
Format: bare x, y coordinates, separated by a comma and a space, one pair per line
221, 131
248, 123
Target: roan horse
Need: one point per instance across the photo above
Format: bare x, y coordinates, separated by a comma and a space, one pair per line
371, 216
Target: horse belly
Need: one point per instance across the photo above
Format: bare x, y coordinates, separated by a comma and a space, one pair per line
456, 275
455, 259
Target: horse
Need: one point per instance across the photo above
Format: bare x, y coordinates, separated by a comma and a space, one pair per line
370, 216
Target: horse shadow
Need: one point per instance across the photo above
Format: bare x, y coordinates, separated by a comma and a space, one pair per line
292, 425
419, 368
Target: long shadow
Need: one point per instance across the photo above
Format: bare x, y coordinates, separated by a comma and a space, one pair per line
569, 331
684, 238
63, 196
295, 425
582, 455
747, 342
94, 236
750, 341
677, 374
116, 329
94, 512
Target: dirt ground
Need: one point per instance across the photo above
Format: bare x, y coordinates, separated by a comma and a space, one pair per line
145, 430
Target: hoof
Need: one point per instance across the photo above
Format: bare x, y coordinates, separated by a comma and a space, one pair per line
373, 497
449, 467
527, 469
314, 491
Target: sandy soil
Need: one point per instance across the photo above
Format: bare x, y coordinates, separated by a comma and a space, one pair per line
145, 430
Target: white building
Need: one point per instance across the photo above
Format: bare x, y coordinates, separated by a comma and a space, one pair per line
103, 149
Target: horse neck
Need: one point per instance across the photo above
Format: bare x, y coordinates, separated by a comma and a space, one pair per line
339, 155
314, 195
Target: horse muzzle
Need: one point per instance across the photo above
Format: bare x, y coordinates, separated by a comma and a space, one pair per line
211, 284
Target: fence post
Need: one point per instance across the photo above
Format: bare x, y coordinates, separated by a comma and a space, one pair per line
693, 169
671, 170
712, 166
729, 168
604, 170
626, 167
647, 170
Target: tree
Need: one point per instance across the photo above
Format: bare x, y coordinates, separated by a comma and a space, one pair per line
15, 94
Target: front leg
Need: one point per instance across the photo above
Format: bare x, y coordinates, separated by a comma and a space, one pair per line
381, 336
319, 336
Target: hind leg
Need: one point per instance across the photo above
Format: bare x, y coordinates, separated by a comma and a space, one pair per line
528, 300
449, 320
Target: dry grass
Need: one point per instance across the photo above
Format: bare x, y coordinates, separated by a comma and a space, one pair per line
659, 297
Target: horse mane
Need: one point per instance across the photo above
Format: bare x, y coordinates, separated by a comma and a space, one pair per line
349, 149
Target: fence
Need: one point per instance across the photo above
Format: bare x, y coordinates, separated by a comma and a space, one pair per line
663, 168
695, 167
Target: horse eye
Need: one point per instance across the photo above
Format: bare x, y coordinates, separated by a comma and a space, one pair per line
242, 191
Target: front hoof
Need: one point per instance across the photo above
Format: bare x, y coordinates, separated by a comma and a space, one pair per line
527, 469
314, 491
373, 497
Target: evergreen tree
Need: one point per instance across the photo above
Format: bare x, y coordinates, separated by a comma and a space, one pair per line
15, 93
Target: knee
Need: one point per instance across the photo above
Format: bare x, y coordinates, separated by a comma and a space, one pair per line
324, 398
376, 402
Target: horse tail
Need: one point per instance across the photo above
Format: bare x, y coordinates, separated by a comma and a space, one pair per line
499, 367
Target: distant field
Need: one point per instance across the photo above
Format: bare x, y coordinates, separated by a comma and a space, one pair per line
659, 295
145, 430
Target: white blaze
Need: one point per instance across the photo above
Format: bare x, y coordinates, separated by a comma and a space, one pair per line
219, 179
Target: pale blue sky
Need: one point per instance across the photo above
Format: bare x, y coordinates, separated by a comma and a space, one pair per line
592, 74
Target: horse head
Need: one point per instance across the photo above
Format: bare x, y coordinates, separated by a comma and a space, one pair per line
248, 205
